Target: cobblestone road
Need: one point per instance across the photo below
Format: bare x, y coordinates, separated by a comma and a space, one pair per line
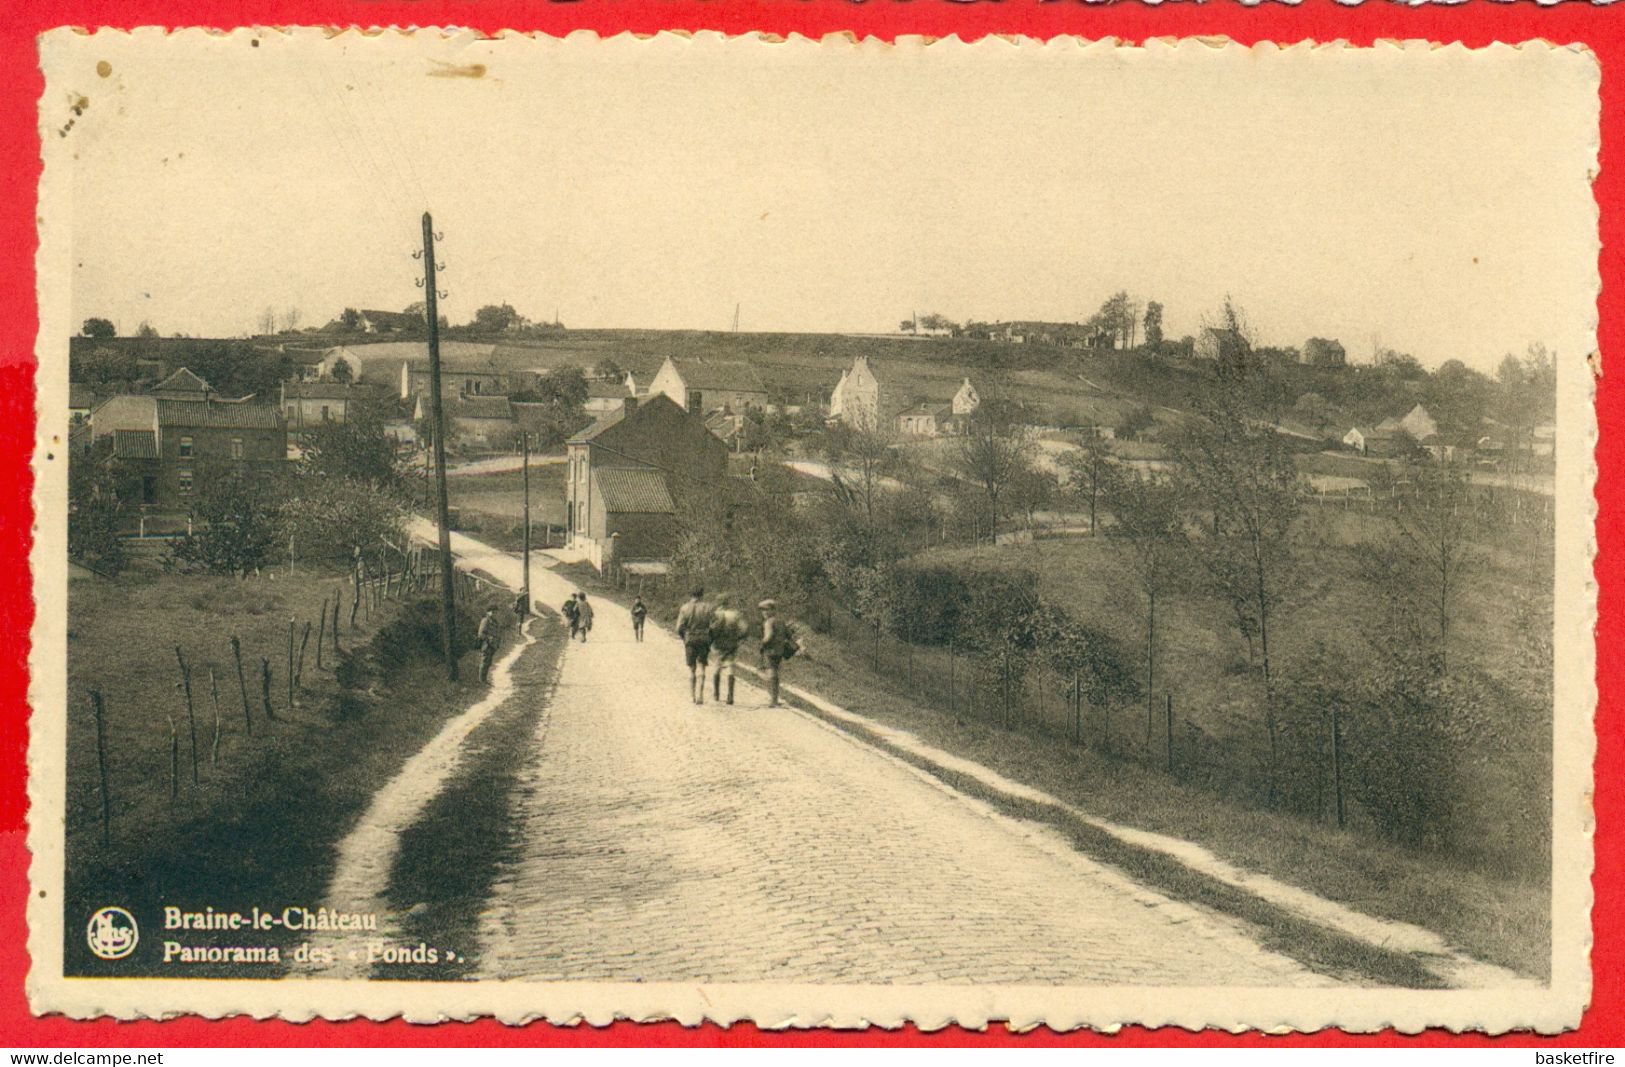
669, 842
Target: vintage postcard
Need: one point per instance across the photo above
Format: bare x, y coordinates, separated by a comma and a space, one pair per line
824, 533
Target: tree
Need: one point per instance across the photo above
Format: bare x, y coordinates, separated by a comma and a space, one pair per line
1432, 545
105, 364
1136, 422
566, 386
608, 370
934, 321
357, 450
993, 452
1117, 318
97, 498
236, 527
101, 329
1458, 398
1149, 521
1237, 360
906, 326
329, 517
1088, 466
1153, 324
495, 318
1240, 474
350, 320
1029, 491
341, 371
859, 460
267, 321
291, 318
145, 330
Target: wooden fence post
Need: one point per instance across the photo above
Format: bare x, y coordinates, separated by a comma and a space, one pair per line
174, 760
214, 695
265, 687
338, 595
321, 632
290, 663
355, 594
299, 664
242, 686
1168, 706
1337, 768
101, 764
191, 717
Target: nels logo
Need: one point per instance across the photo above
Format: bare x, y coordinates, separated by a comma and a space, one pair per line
112, 933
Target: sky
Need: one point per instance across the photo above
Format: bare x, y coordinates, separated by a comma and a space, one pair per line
1435, 203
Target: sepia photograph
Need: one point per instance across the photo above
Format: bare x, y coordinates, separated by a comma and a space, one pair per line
822, 533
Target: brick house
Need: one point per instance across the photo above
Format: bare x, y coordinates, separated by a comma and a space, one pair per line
171, 446
307, 404
623, 472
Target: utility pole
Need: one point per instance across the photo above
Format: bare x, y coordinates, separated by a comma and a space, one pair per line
736, 318
524, 454
448, 592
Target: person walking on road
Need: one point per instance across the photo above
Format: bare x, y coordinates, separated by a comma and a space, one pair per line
570, 612
727, 630
640, 611
583, 616
694, 627
486, 636
778, 644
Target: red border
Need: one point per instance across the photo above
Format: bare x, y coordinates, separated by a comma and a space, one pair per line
1475, 24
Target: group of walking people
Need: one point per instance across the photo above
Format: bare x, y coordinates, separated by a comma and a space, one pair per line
715, 628
712, 632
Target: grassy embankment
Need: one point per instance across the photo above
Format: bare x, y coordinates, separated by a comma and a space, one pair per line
1494, 905
260, 825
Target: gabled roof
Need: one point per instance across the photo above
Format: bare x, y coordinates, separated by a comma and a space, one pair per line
1389, 425
135, 444
211, 413
633, 489
307, 357
731, 375
182, 380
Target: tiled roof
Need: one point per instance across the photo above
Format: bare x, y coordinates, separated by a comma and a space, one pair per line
135, 444
80, 396
182, 380
307, 356
732, 375
213, 413
633, 489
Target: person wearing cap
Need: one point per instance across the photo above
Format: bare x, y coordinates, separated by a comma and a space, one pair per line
694, 627
486, 636
775, 647
727, 630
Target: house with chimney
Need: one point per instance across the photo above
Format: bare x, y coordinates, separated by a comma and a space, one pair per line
625, 472
171, 447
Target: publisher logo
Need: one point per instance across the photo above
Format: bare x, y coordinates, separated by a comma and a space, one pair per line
112, 933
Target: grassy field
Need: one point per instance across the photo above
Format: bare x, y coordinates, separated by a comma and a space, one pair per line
259, 825
492, 506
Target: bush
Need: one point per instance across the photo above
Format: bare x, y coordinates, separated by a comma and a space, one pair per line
415, 633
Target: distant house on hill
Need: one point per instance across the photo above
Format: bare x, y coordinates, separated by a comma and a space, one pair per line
623, 471
698, 385
391, 322
1358, 438
458, 377
924, 420
1320, 352
868, 399
1218, 344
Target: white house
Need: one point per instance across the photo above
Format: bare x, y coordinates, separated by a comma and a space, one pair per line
966, 400
700, 386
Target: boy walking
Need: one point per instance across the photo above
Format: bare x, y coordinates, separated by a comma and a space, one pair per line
571, 607
486, 635
583, 616
640, 611
727, 630
778, 644
694, 627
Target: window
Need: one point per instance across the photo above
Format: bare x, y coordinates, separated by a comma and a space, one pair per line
325, 416
186, 450
184, 478
236, 448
